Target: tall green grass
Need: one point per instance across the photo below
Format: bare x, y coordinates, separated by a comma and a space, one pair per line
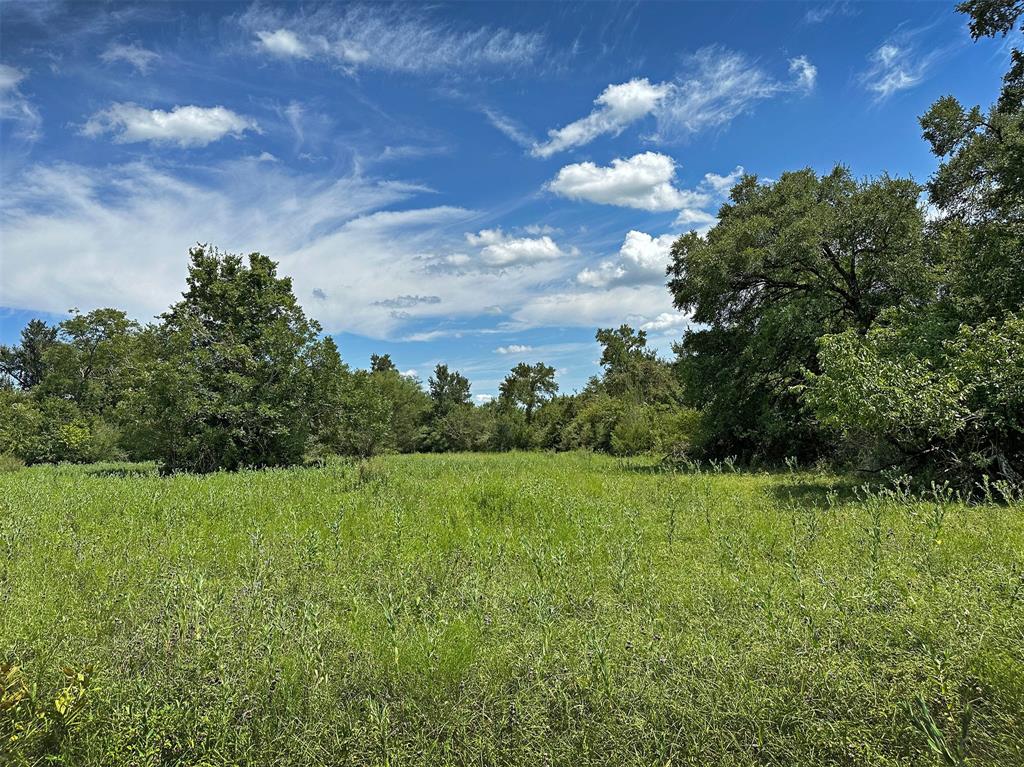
520, 609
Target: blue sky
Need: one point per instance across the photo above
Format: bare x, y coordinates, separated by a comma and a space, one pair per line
476, 184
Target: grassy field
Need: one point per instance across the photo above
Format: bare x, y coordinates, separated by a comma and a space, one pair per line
521, 609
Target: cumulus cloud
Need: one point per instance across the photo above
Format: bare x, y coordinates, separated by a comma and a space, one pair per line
894, 66
617, 107
643, 181
185, 126
131, 53
713, 190
501, 250
513, 349
717, 86
665, 322
383, 37
15, 107
641, 260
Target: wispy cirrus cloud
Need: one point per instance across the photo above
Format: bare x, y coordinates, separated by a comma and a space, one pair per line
186, 126
509, 127
130, 53
901, 62
397, 38
896, 65
816, 14
717, 86
118, 236
15, 107
720, 86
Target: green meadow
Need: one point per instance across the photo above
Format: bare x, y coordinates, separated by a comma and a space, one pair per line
517, 609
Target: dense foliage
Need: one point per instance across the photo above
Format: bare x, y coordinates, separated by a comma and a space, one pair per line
837, 322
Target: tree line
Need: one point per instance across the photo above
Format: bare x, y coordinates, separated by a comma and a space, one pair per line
874, 323
235, 375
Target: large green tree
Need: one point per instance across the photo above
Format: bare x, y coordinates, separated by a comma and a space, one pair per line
937, 391
788, 261
233, 380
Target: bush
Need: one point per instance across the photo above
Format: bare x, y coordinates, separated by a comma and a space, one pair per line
939, 402
53, 430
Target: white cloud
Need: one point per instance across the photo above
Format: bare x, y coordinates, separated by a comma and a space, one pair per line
720, 86
716, 189
642, 181
500, 250
482, 399
184, 125
507, 126
804, 72
513, 349
818, 14
635, 305
132, 53
717, 86
641, 260
10, 77
282, 42
618, 106
15, 107
118, 236
391, 38
894, 66
666, 321
721, 185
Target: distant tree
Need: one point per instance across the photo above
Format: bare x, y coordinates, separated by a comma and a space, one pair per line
453, 422
408, 407
528, 387
632, 369
381, 363
24, 365
233, 381
331, 383
366, 417
94, 361
449, 389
